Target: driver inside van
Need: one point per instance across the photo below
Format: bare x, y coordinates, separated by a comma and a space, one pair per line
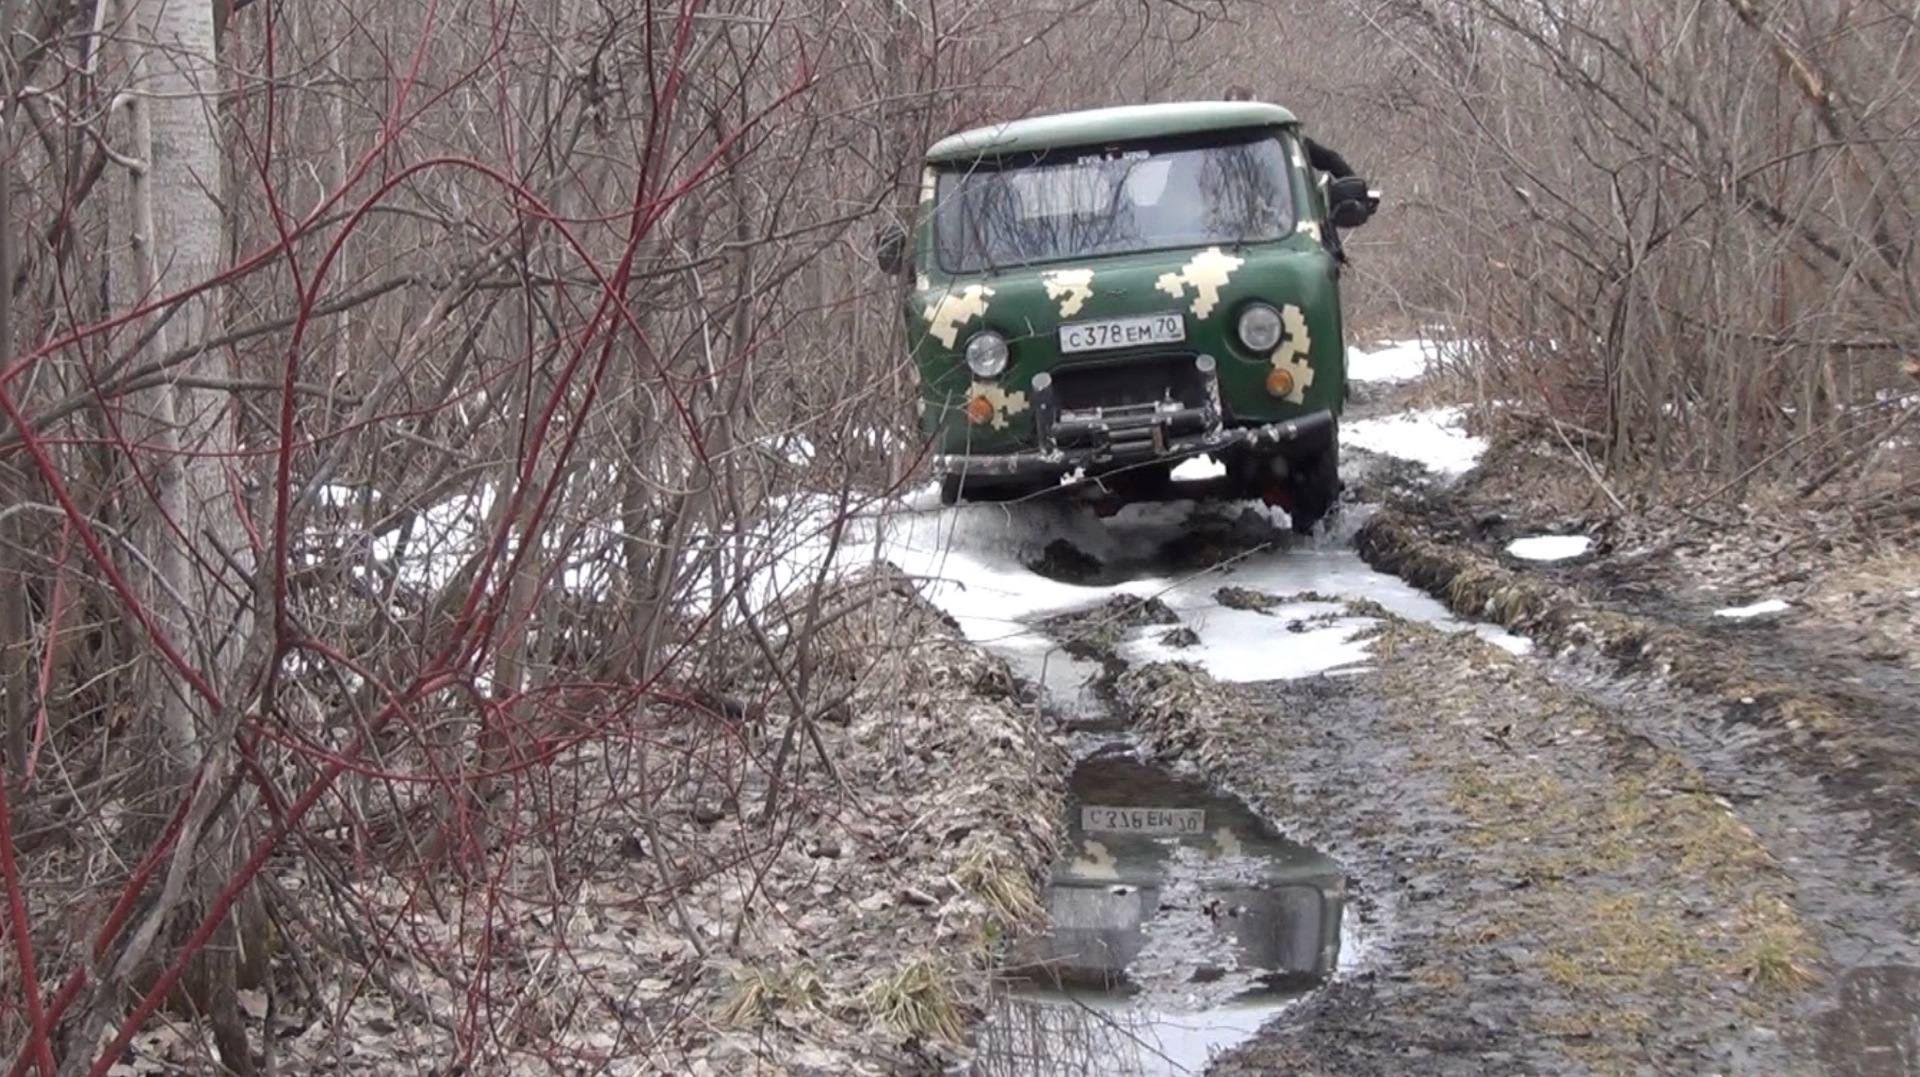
1320, 157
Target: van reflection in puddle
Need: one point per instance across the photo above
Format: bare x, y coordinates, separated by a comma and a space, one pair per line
1181, 922
1287, 937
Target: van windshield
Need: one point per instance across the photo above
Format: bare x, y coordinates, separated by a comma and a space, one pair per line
1082, 203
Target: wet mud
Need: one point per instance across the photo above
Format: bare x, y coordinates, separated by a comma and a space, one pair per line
1832, 702
1549, 893
1808, 734
1875, 1029
1563, 860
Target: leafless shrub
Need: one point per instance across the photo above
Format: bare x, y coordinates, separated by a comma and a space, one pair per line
407, 406
1677, 234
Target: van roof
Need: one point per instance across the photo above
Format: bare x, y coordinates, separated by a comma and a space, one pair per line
1100, 125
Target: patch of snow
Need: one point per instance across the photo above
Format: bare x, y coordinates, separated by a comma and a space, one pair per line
1741, 613
972, 564
1287, 642
1506, 641
1433, 438
1196, 468
1549, 547
441, 539
970, 561
1400, 360
335, 495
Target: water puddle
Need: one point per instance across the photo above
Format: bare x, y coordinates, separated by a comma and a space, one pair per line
1181, 923
1069, 684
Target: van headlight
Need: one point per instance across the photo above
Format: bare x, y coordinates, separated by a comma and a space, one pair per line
987, 354
1259, 328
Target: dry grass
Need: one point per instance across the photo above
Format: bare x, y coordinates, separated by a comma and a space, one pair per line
1618, 861
1439, 977
1778, 956
1528, 809
1006, 888
1613, 943
917, 999
759, 993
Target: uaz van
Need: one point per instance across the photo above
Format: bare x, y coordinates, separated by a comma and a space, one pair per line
1100, 295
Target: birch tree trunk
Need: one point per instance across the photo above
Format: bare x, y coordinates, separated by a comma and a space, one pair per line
192, 562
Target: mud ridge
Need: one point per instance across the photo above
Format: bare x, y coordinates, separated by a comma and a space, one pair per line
1561, 619
1857, 755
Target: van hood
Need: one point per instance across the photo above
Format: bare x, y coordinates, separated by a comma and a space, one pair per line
1028, 305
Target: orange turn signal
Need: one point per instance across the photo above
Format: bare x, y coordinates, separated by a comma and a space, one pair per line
980, 409
1279, 382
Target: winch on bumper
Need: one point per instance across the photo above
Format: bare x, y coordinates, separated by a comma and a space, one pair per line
1108, 437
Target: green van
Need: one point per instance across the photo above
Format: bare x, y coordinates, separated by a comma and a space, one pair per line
1099, 295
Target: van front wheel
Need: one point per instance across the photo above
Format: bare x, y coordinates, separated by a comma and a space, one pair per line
1313, 490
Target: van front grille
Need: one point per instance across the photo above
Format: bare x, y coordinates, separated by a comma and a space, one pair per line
1147, 380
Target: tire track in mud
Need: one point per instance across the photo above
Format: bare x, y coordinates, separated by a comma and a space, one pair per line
1555, 897
1545, 889
1818, 764
1205, 940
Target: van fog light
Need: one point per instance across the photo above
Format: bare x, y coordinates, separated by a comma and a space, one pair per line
1279, 383
987, 354
1259, 327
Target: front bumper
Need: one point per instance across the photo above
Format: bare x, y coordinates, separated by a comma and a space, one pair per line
1107, 438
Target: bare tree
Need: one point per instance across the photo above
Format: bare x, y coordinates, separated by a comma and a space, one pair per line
413, 413
1673, 232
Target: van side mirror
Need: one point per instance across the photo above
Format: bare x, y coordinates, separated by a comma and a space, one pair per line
890, 248
1350, 214
1351, 203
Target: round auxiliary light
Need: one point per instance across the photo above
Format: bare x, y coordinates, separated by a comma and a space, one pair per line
1259, 327
987, 354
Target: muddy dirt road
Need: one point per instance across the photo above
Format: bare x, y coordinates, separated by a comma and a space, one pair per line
1323, 827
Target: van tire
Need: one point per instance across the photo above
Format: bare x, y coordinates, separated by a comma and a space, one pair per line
1314, 491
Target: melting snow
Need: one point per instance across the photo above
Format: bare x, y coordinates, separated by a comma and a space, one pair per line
1400, 360
1433, 438
1196, 468
1285, 642
973, 563
1771, 605
1549, 547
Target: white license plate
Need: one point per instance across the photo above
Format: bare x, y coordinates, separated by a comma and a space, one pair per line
1123, 333
1143, 820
